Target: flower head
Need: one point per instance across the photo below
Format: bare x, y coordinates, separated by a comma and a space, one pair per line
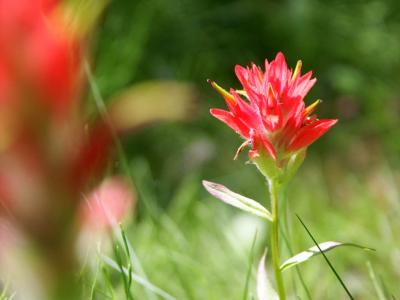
270, 114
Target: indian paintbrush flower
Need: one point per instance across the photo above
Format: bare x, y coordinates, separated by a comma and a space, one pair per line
270, 114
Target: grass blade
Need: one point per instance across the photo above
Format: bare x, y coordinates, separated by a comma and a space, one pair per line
3, 295
378, 290
125, 275
303, 284
327, 260
250, 267
145, 283
107, 282
128, 254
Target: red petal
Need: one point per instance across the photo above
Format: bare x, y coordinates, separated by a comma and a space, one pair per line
241, 74
247, 113
308, 134
279, 73
268, 146
266, 64
261, 142
282, 68
303, 85
233, 122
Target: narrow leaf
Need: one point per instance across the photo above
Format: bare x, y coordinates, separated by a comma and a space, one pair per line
224, 194
315, 250
264, 289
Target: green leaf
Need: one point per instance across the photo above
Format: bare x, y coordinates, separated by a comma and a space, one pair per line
224, 194
265, 290
82, 16
315, 250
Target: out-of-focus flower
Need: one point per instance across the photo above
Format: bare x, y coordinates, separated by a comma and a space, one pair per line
49, 155
39, 60
107, 204
269, 112
45, 148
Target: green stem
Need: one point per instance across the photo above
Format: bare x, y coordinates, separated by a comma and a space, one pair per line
274, 191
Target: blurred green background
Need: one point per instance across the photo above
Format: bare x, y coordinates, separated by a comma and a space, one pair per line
348, 188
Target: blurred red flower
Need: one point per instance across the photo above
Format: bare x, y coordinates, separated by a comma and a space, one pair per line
39, 60
270, 112
107, 204
49, 155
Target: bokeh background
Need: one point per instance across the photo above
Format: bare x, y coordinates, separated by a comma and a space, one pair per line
347, 190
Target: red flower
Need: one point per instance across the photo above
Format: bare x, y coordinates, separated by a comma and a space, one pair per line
270, 112
37, 55
45, 145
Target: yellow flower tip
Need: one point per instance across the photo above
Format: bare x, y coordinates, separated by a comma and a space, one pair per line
227, 96
271, 90
297, 69
309, 109
242, 93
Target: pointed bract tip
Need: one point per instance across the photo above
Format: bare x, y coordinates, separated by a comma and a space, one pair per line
309, 109
206, 184
224, 93
297, 69
271, 90
209, 186
334, 121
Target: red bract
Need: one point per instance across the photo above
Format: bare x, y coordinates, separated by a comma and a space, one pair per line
270, 112
37, 56
44, 145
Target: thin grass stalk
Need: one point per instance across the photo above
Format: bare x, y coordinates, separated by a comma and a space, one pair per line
303, 283
326, 259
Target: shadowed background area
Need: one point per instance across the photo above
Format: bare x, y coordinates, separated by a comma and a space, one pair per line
347, 189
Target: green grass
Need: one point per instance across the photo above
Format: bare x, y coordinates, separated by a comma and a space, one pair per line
198, 248
195, 247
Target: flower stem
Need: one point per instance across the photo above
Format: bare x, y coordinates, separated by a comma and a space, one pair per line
274, 192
